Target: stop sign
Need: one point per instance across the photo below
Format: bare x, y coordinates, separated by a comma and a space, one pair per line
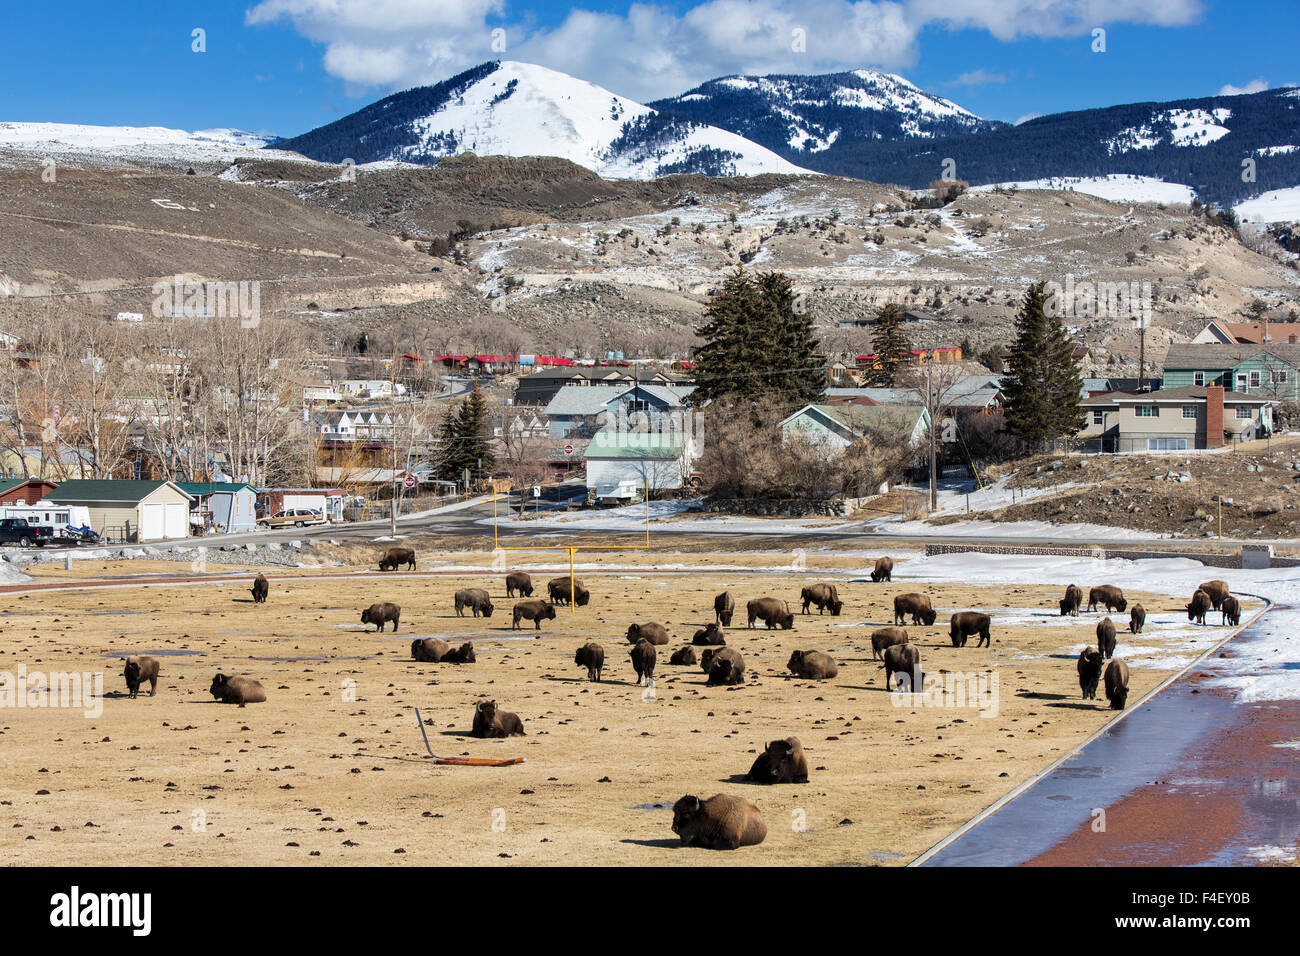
568, 449
410, 481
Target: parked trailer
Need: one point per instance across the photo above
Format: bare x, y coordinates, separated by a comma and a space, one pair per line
68, 523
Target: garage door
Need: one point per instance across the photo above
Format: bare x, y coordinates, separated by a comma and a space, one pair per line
178, 519
153, 521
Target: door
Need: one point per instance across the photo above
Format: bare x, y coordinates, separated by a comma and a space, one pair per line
176, 521
153, 522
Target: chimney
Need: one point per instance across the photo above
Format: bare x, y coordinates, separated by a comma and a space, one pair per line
1263, 330
1291, 339
1214, 416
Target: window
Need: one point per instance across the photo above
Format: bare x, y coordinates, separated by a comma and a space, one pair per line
1166, 444
1244, 413
1279, 376
1146, 411
1198, 378
1189, 411
1099, 418
1255, 379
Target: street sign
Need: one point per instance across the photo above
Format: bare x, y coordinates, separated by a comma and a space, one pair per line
537, 491
568, 449
410, 482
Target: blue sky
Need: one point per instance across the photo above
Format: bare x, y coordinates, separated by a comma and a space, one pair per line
285, 66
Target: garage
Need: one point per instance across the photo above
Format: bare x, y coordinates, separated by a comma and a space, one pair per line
129, 511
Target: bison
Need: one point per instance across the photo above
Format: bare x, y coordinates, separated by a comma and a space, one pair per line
903, 659
394, 557
1106, 637
1117, 684
1216, 590
1231, 609
520, 581
535, 611
706, 658
812, 664
237, 690
684, 656
137, 671
380, 614
884, 570
782, 762
437, 651
726, 667
1199, 607
558, 589
724, 605
1089, 666
916, 605
261, 588
771, 611
886, 637
824, 596
1108, 595
476, 599
1070, 603
591, 656
490, 722
710, 634
654, 632
1137, 618
966, 623
643, 660
722, 822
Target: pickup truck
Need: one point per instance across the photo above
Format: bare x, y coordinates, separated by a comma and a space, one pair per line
18, 531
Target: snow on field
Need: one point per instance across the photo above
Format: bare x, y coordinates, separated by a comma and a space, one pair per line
1027, 529
1276, 205
1117, 187
141, 143
632, 518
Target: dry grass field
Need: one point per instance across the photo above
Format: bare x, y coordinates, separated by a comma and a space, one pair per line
331, 768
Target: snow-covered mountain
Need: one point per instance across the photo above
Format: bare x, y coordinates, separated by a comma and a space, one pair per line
113, 144
507, 108
801, 115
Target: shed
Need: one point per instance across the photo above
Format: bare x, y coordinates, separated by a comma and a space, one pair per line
129, 510
225, 506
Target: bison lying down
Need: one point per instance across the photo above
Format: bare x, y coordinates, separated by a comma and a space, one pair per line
490, 722
710, 634
782, 762
812, 664
434, 650
237, 690
654, 632
722, 822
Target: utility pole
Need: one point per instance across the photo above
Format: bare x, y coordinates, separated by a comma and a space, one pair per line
929, 407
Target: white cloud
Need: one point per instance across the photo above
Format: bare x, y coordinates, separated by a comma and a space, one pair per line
977, 78
652, 51
1026, 118
1257, 85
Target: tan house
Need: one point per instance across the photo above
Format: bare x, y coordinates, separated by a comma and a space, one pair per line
1176, 419
129, 510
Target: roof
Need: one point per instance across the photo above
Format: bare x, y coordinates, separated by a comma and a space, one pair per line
1188, 393
856, 418
583, 399
1250, 332
6, 487
108, 490
1212, 355
197, 488
610, 444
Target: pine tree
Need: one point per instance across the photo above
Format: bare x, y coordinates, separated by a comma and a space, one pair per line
891, 346
1042, 384
800, 377
466, 441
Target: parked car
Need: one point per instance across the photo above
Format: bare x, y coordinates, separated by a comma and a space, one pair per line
18, 531
295, 517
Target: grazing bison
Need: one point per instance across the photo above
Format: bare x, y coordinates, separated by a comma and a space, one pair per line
1117, 684
966, 623
520, 581
237, 690
710, 634
1231, 609
535, 611
476, 599
1070, 603
1090, 662
1216, 590
722, 822
394, 557
137, 671
558, 589
916, 605
782, 762
1199, 607
1137, 618
812, 664
1106, 637
884, 570
1109, 596
490, 722
261, 588
643, 660
824, 596
726, 667
653, 631
684, 656
886, 637
771, 611
437, 651
380, 614
903, 659
591, 656
724, 605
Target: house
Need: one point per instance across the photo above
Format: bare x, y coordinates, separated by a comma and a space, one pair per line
369, 388
1219, 332
971, 392
843, 425
223, 506
1272, 370
8, 342
581, 410
622, 464
25, 491
329, 501
1173, 419
129, 510
540, 387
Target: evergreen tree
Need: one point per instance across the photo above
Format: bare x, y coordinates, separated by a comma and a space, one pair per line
467, 441
800, 374
1042, 383
891, 346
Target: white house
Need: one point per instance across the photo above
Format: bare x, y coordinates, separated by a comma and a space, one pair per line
840, 426
622, 464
